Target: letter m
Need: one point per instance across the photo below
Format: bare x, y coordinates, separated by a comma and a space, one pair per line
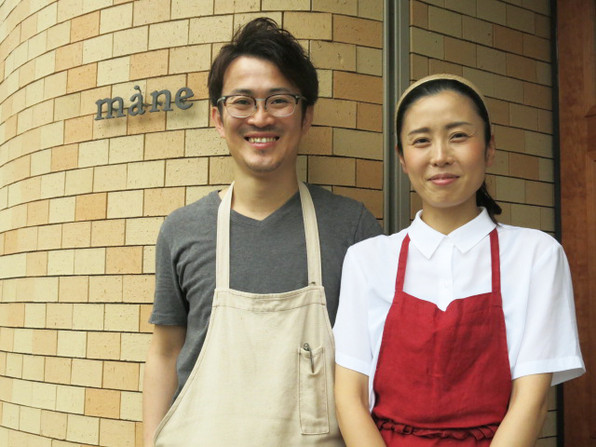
110, 107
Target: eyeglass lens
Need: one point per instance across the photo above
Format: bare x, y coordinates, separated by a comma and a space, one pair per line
244, 106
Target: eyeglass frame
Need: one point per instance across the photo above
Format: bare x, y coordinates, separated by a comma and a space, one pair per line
296, 97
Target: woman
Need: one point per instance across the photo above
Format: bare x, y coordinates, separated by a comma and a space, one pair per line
450, 332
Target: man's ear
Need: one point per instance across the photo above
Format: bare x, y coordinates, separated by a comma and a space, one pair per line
217, 119
491, 151
307, 119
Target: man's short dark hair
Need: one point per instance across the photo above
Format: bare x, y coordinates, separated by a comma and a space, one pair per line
262, 38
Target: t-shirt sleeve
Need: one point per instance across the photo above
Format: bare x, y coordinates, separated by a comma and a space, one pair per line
169, 307
550, 340
367, 226
352, 339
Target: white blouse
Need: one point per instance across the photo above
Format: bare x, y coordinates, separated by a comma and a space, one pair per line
535, 286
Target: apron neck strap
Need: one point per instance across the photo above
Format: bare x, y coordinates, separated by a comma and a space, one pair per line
311, 232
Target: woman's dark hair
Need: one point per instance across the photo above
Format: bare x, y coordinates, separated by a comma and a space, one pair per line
264, 39
433, 87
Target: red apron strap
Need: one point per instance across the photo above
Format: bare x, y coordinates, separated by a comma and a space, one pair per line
495, 261
401, 265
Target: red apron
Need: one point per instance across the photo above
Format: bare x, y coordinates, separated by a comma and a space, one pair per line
443, 378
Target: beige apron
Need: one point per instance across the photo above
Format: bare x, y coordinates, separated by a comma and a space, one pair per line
264, 376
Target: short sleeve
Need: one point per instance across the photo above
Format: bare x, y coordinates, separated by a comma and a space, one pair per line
352, 339
170, 306
550, 342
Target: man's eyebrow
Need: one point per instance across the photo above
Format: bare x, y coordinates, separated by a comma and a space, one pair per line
249, 92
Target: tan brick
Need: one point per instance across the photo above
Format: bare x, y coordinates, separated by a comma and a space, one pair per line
547, 220
162, 201
81, 78
130, 41
121, 376
88, 316
356, 143
37, 264
57, 370
369, 174
72, 344
45, 342
536, 47
539, 193
149, 64
524, 117
358, 31
521, 67
546, 170
426, 43
444, 21
121, 433
309, 25
162, 145
210, 29
526, 216
461, 52
49, 237
155, 122
125, 204
124, 260
122, 317
491, 11
87, 372
105, 288
116, 18
508, 39
84, 27
135, 347
59, 316
107, 233
510, 189
419, 14
234, 6
358, 87
58, 35
335, 113
78, 129
372, 199
82, 429
333, 55
53, 424
318, 140
196, 116
102, 403
150, 11
545, 121
197, 82
369, 61
103, 345
91, 206
76, 235
520, 19
221, 170
73, 289
138, 289
332, 171
144, 325
543, 26
70, 399
109, 178
543, 73
69, 56
492, 60
537, 96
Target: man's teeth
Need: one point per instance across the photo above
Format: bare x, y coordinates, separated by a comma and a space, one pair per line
261, 139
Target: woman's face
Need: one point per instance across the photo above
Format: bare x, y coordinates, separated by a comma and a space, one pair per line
445, 154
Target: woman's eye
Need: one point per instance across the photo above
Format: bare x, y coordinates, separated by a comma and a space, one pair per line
459, 136
420, 141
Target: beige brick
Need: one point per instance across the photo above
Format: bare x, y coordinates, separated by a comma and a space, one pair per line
126, 149
98, 48
121, 376
79, 181
358, 31
81, 78
76, 235
37, 264
123, 260
70, 399
107, 233
53, 424
109, 178
309, 25
444, 22
155, 122
87, 372
335, 113
116, 18
125, 204
138, 288
419, 14
148, 174
187, 171
30, 420
84, 27
142, 231
356, 143
78, 129
545, 121
196, 116
49, 237
135, 347
72, 344
114, 71
333, 55
131, 404
210, 29
105, 289
57, 370
83, 429
493, 11
189, 58
508, 39
91, 206
121, 433
168, 34
43, 395
235, 6
546, 170
59, 316
547, 223
61, 262
199, 142
539, 193
525, 216
130, 41
521, 67
543, 73
369, 61
510, 189
182, 9
543, 26
90, 261
332, 171
88, 316
23, 239
162, 201
461, 52
524, 117
426, 43
520, 19
103, 345
347, 7
58, 35
221, 170
150, 11
35, 315
93, 153
163, 145
149, 64
122, 317
537, 96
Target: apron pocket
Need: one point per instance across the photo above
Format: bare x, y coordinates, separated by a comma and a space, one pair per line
312, 391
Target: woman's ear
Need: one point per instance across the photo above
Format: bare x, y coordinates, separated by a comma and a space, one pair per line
402, 161
491, 151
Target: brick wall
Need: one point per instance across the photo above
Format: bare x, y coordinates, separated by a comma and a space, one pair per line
504, 47
81, 200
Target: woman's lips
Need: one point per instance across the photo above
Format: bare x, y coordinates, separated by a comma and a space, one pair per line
443, 179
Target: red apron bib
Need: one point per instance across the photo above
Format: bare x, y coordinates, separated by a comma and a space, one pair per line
443, 378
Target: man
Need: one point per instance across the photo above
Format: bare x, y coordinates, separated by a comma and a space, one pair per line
247, 278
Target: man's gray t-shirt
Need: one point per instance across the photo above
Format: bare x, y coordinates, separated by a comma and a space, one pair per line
266, 256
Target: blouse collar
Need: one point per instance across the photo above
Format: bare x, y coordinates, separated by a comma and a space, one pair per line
427, 239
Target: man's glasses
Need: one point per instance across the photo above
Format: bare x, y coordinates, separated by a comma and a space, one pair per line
243, 106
